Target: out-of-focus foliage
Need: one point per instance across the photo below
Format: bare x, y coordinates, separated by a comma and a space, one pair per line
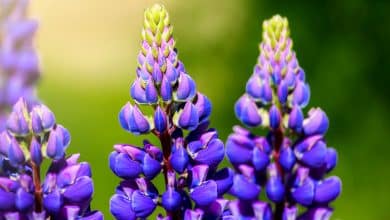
88, 51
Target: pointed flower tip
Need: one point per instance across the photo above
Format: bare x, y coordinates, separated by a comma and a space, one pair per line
156, 24
275, 26
42, 119
18, 120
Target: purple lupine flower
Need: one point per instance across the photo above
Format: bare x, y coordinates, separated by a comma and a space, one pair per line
290, 164
64, 192
19, 63
189, 151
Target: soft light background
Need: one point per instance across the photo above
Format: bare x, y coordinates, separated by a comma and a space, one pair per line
89, 49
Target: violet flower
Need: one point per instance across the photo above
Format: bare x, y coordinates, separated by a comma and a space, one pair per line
19, 63
290, 164
188, 153
65, 192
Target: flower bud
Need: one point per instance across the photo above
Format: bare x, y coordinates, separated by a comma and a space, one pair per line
36, 151
57, 143
17, 122
179, 157
283, 92
311, 151
137, 92
188, 117
303, 189
239, 149
71, 173
53, 202
171, 200
132, 120
160, 120
260, 159
301, 94
205, 193
157, 74
274, 187
244, 188
203, 105
151, 92
80, 191
289, 78
123, 166
295, 119
186, 89
166, 90
5, 142
171, 73
42, 119
15, 153
286, 157
327, 190
212, 154
224, 180
150, 167
274, 117
259, 88
120, 207
142, 204
317, 123
246, 110
23, 200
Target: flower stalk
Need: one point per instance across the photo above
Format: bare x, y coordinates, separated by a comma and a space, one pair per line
188, 152
292, 161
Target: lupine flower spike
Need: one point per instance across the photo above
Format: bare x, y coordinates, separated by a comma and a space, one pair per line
290, 164
65, 192
188, 153
19, 64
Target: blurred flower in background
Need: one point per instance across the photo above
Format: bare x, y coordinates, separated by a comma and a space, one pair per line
19, 64
30, 136
290, 163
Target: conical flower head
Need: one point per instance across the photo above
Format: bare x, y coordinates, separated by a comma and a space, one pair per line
158, 62
188, 152
290, 163
157, 28
162, 80
277, 78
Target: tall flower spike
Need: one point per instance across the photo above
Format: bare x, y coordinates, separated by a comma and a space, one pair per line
66, 190
19, 63
291, 162
188, 153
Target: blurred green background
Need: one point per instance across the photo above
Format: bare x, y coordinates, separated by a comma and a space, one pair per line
89, 48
